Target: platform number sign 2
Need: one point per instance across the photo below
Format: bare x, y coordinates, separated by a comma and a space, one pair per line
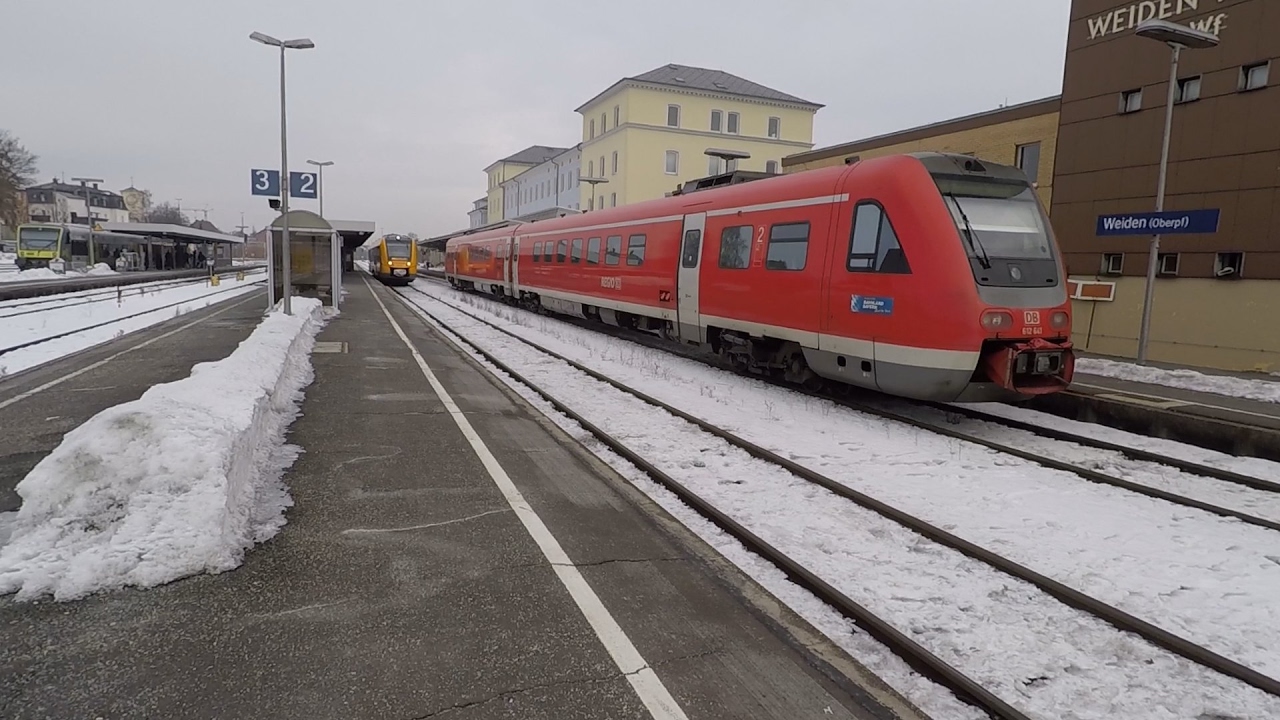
301, 184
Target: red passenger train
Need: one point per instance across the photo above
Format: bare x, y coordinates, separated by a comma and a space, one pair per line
930, 276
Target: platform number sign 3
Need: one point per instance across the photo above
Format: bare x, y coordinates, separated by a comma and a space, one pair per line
1031, 317
265, 182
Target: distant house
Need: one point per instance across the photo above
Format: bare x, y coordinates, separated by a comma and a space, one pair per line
60, 202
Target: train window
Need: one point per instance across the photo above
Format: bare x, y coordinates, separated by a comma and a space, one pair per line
692, 248
593, 251
613, 250
788, 246
873, 244
562, 250
537, 251
635, 250
577, 250
735, 247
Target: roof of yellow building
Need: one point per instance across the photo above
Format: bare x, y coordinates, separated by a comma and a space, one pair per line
718, 81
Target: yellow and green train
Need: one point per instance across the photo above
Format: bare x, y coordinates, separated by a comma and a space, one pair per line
78, 246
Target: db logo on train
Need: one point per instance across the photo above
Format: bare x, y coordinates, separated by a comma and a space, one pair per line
1031, 317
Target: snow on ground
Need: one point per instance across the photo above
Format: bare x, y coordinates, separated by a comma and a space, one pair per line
1036, 653
74, 313
47, 274
1260, 503
181, 481
1213, 580
1184, 379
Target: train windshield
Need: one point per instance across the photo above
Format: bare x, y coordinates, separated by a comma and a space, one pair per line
1003, 229
398, 250
38, 238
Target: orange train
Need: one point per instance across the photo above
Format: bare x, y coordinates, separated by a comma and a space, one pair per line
930, 276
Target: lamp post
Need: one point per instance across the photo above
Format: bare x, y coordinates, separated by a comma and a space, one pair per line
298, 44
593, 182
320, 181
1176, 37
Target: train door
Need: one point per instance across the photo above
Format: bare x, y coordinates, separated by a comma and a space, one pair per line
515, 267
688, 315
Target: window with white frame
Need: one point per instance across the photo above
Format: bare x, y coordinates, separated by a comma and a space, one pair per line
673, 116
672, 162
775, 127
613, 199
1256, 76
717, 121
615, 162
604, 123
732, 126
713, 165
1131, 101
593, 128
1188, 90
771, 167
617, 115
591, 168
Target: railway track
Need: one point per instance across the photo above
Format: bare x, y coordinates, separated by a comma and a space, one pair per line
88, 297
945, 426
111, 321
921, 659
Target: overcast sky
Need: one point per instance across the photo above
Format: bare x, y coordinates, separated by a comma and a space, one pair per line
412, 98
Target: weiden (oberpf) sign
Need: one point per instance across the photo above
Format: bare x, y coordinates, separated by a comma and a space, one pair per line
1176, 222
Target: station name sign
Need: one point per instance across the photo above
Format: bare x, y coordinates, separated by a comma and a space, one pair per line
1176, 222
1128, 17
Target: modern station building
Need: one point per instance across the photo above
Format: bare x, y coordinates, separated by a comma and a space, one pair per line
1095, 151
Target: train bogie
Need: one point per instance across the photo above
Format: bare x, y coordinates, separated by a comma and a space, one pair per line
928, 276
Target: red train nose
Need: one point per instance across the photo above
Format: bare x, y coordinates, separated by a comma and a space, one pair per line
1034, 367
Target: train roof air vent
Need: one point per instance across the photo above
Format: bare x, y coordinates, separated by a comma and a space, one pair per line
974, 165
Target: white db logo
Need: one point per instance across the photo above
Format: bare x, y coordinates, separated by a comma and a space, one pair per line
1031, 317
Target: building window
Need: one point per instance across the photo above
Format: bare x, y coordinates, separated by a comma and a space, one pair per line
775, 127
601, 166
577, 250
1188, 90
635, 250
593, 128
604, 123
1168, 263
717, 120
1112, 263
771, 167
788, 246
713, 165
873, 245
591, 203
1028, 160
732, 125
673, 116
615, 162
613, 199
617, 115
1229, 264
1131, 101
735, 247
613, 250
591, 169
673, 162
593, 251
1253, 77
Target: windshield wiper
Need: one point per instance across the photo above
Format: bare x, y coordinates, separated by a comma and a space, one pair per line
975, 244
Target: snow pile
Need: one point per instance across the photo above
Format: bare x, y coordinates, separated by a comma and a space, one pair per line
100, 269
181, 481
29, 275
1247, 388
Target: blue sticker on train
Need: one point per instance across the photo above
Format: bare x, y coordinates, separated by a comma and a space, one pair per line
872, 305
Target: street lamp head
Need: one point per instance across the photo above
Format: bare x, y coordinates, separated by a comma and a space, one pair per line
1175, 34
326, 163
299, 44
265, 39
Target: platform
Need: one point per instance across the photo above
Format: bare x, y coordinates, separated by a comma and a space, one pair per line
406, 585
1229, 424
20, 289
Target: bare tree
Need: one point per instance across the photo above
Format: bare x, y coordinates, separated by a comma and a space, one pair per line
17, 170
166, 213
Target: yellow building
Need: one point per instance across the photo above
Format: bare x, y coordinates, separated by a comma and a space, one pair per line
1024, 135
509, 167
646, 135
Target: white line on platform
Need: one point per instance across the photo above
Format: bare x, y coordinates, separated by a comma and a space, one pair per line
1193, 403
654, 695
58, 381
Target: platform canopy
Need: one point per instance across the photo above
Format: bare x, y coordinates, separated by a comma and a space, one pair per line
304, 222
177, 233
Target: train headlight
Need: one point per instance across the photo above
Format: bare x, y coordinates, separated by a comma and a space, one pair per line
997, 320
1059, 319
